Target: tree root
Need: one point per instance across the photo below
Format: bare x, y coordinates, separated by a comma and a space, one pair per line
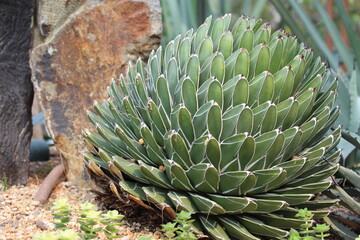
56, 176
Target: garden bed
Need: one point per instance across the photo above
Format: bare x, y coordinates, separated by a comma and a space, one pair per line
21, 217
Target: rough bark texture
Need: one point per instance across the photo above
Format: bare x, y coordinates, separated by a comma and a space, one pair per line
16, 90
77, 61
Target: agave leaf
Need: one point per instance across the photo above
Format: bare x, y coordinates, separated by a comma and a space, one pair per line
198, 149
290, 117
292, 199
241, 92
200, 34
204, 177
234, 205
168, 54
99, 142
184, 52
204, 52
316, 204
155, 176
217, 68
172, 75
275, 150
245, 122
156, 196
246, 152
265, 206
292, 167
122, 121
203, 91
160, 123
213, 228
206, 205
96, 160
308, 130
186, 124
134, 147
189, 97
292, 140
351, 137
231, 181
230, 120
213, 152
193, 69
154, 68
242, 63
261, 62
182, 202
307, 188
225, 45
255, 85
153, 150
252, 224
264, 178
262, 144
177, 176
315, 174
164, 94
276, 53
200, 118
305, 102
353, 205
180, 151
269, 120
267, 90
229, 149
340, 229
246, 39
281, 222
350, 175
135, 189
215, 93
214, 120
131, 169
218, 29
236, 229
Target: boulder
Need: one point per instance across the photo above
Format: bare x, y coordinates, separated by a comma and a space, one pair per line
77, 60
16, 90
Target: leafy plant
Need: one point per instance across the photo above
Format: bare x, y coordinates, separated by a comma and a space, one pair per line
63, 235
308, 231
4, 184
91, 222
226, 123
180, 228
109, 219
61, 211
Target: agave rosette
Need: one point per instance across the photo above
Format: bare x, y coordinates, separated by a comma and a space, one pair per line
227, 123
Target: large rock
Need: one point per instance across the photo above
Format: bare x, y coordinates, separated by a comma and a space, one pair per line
16, 90
77, 61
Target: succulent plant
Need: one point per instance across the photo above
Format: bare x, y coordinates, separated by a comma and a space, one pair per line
227, 123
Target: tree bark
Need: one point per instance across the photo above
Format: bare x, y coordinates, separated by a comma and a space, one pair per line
16, 89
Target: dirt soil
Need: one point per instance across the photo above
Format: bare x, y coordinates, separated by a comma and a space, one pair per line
21, 217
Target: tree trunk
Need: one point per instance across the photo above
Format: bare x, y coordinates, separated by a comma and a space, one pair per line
16, 89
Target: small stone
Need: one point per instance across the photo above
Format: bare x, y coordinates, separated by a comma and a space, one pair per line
41, 224
35, 213
125, 238
19, 216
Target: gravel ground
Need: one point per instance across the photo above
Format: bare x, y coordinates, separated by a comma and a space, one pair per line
21, 217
